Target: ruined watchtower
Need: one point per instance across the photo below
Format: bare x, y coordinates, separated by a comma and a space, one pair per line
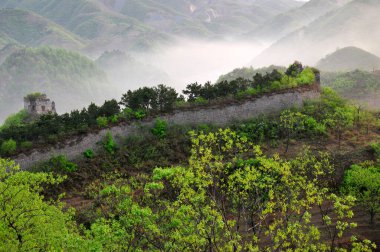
38, 104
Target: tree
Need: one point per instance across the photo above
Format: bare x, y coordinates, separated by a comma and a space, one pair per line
193, 91
364, 184
294, 69
143, 98
166, 98
341, 120
230, 197
290, 123
27, 221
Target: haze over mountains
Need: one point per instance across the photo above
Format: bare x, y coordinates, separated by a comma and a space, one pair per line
353, 24
147, 42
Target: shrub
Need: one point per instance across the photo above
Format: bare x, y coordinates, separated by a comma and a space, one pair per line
376, 148
114, 119
140, 114
364, 184
307, 76
200, 101
127, 113
60, 163
109, 143
89, 154
102, 121
14, 120
26, 145
160, 128
8, 147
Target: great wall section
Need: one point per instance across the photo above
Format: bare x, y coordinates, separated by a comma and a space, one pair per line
215, 114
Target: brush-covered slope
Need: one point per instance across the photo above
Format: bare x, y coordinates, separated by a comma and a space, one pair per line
354, 24
29, 29
349, 59
90, 20
358, 86
294, 19
67, 77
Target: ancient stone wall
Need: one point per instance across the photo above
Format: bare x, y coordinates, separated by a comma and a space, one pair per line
219, 115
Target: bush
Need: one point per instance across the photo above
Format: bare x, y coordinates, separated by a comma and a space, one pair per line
60, 163
364, 184
26, 145
376, 148
127, 113
109, 143
89, 154
140, 114
200, 101
8, 147
160, 128
14, 120
114, 119
102, 121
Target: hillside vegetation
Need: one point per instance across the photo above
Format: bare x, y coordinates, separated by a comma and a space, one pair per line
206, 188
67, 77
349, 59
29, 29
357, 86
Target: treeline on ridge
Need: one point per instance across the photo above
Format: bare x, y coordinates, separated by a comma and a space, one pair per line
17, 134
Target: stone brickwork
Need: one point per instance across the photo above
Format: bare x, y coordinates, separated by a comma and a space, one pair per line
219, 115
39, 104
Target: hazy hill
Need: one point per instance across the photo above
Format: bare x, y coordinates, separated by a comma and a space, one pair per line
201, 17
349, 59
90, 20
294, 19
29, 29
67, 77
351, 25
138, 24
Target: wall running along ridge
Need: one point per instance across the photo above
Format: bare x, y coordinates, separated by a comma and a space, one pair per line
219, 115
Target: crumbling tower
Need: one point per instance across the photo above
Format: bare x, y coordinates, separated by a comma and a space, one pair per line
38, 104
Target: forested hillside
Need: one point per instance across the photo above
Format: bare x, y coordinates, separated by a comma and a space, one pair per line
248, 186
357, 86
29, 29
127, 140
349, 59
67, 77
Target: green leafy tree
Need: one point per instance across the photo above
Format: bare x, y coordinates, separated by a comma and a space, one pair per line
290, 123
364, 184
340, 121
28, 222
166, 98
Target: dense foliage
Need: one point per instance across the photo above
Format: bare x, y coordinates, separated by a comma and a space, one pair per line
230, 197
363, 182
248, 73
